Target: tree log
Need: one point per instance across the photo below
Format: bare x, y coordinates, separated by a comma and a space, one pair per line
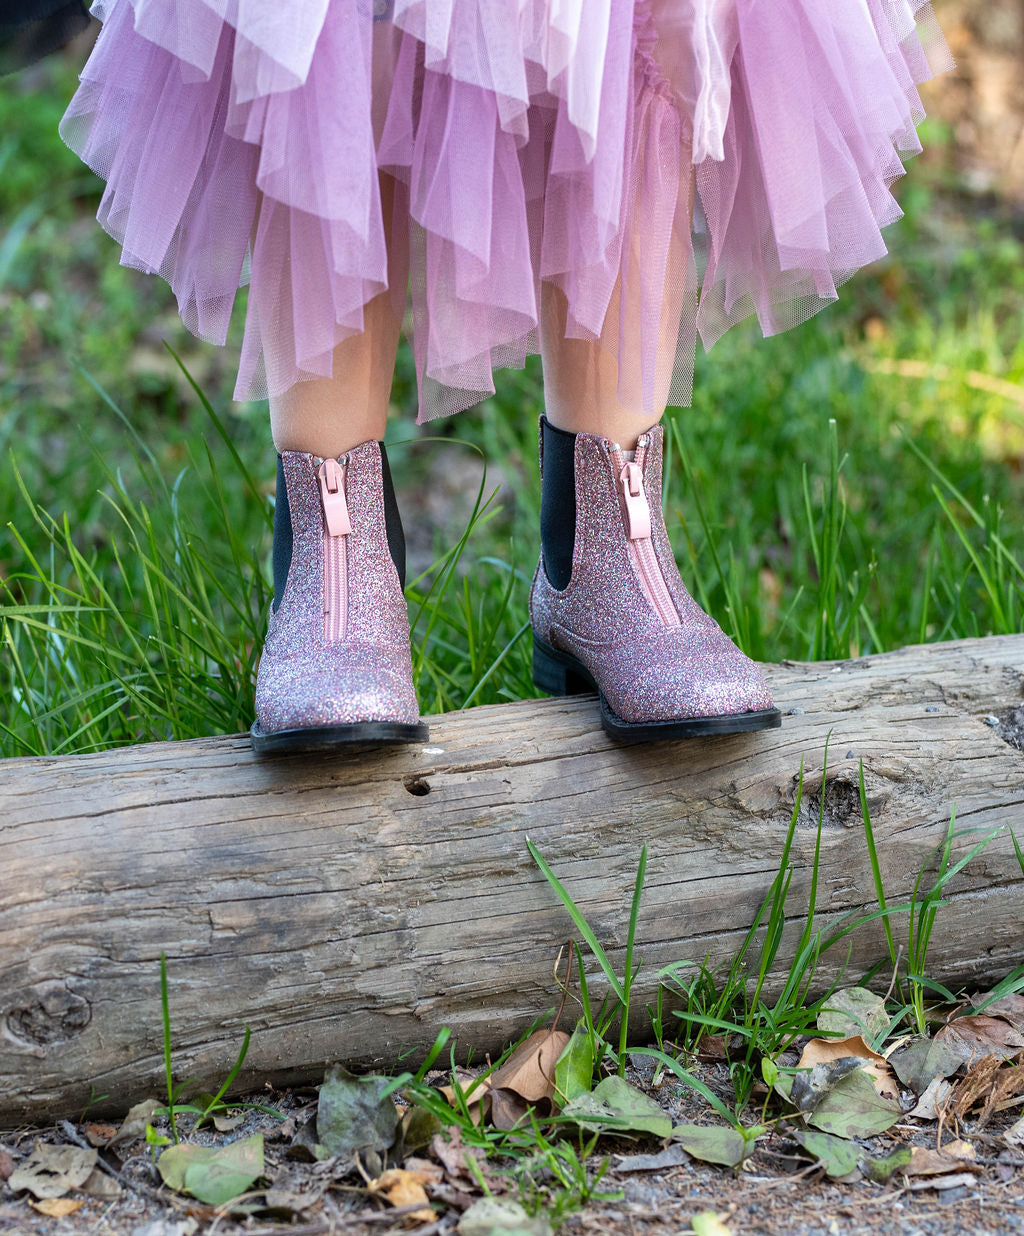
348, 908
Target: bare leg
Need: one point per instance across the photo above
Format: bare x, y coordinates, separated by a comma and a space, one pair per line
328, 416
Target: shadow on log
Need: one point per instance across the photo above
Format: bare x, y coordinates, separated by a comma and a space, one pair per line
347, 909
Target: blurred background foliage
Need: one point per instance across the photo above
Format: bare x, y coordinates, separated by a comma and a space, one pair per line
910, 530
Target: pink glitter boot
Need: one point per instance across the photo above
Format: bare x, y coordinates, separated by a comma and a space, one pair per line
336, 667
620, 621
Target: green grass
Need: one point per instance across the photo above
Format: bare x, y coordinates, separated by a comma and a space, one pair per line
848, 487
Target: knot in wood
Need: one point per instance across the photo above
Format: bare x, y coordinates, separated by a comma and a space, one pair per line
45, 1014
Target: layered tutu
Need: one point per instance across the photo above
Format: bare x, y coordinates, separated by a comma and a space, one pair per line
673, 166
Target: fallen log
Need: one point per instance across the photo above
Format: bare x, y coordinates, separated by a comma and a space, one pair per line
347, 909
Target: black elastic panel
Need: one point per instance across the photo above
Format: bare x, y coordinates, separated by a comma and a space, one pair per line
392, 519
558, 503
282, 536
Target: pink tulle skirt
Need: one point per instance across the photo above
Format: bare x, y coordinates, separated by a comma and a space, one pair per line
673, 166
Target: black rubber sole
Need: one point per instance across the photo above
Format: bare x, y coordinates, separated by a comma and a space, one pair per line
359, 736
560, 673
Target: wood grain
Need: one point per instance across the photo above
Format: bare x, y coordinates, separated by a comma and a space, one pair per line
347, 909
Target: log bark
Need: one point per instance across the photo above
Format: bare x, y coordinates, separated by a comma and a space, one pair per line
347, 909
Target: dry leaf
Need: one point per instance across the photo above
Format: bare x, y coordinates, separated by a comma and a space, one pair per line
133, 1127
826, 1051
100, 1185
976, 1036
6, 1165
404, 1188
454, 1157
99, 1134
1010, 1008
1014, 1135
57, 1207
530, 1070
51, 1171
957, 1181
927, 1162
931, 1102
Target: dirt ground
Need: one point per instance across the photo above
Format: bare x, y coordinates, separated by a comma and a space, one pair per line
778, 1191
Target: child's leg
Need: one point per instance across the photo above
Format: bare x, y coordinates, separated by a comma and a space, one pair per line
328, 416
608, 607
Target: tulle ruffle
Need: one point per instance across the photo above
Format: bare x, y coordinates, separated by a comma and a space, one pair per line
578, 142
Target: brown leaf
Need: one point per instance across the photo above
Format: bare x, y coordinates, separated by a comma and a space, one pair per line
927, 1162
57, 1207
826, 1051
932, 1100
978, 1035
99, 1184
711, 1048
51, 1171
957, 1181
1014, 1135
6, 1165
454, 1156
1010, 1008
133, 1127
530, 1070
99, 1134
404, 1188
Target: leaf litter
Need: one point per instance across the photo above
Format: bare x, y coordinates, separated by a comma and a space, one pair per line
916, 1121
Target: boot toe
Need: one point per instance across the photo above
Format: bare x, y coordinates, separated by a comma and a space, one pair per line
341, 685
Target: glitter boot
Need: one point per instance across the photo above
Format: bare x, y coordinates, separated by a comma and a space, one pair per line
336, 668
624, 624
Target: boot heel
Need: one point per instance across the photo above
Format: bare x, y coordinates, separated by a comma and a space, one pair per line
556, 673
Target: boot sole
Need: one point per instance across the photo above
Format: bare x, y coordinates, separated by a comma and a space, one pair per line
357, 736
561, 674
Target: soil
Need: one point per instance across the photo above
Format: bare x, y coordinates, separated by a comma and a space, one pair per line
778, 1190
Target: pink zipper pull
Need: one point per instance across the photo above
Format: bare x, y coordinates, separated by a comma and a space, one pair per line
332, 494
638, 511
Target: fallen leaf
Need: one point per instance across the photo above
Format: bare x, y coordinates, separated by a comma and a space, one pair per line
99, 1134
405, 1188
101, 1186
711, 1048
671, 1156
57, 1207
454, 1156
493, 1216
932, 1100
1014, 1135
709, 1223
1010, 1008
960, 1180
51, 1171
806, 1090
133, 1127
852, 1011
835, 1154
713, 1143
827, 1051
213, 1174
228, 1124
881, 1169
920, 1061
978, 1035
925, 1161
353, 1113
616, 1106
6, 1165
526, 1080
417, 1128
854, 1108
294, 1190
574, 1072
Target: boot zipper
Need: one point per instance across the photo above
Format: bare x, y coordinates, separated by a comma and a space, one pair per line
337, 526
642, 554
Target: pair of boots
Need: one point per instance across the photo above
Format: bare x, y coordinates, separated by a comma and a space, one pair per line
609, 610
